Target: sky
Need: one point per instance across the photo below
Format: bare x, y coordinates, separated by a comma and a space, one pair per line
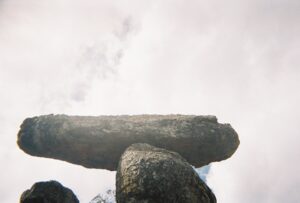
238, 60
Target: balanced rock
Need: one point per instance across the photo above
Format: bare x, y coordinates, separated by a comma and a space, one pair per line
98, 142
48, 192
147, 174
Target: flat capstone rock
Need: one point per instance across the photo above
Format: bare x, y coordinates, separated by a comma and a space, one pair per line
99, 141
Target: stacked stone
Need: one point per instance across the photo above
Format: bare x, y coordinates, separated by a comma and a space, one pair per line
156, 170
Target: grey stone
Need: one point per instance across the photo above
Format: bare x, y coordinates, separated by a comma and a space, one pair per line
98, 142
48, 192
107, 197
147, 174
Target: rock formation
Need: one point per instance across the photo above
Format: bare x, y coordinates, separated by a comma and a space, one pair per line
98, 142
151, 153
48, 192
147, 174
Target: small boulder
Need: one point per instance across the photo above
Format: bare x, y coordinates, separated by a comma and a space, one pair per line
48, 192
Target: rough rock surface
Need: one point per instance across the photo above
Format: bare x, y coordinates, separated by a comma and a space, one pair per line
98, 142
154, 175
48, 192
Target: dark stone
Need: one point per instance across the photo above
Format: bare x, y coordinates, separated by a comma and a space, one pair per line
98, 142
147, 174
48, 192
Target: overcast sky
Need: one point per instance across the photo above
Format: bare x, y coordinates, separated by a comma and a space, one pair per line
238, 60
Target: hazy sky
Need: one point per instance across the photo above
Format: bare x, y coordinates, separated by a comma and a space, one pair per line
238, 60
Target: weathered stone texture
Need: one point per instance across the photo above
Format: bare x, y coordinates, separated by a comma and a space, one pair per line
48, 192
147, 174
98, 142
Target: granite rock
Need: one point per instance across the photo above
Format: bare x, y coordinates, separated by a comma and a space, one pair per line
98, 142
148, 174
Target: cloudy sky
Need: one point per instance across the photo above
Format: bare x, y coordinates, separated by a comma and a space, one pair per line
238, 60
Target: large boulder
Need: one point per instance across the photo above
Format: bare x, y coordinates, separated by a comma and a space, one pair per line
147, 174
98, 142
48, 192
